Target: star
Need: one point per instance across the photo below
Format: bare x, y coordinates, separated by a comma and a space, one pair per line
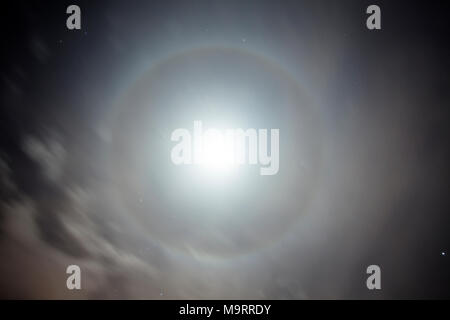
443, 253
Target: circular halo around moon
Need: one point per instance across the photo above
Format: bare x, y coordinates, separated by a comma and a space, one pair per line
184, 208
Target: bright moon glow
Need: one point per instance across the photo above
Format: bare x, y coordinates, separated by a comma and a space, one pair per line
218, 152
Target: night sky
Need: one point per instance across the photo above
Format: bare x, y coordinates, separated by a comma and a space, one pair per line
85, 171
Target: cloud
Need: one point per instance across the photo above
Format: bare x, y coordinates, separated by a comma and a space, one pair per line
49, 153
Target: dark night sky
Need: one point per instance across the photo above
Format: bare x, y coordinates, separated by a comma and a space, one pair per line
85, 129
